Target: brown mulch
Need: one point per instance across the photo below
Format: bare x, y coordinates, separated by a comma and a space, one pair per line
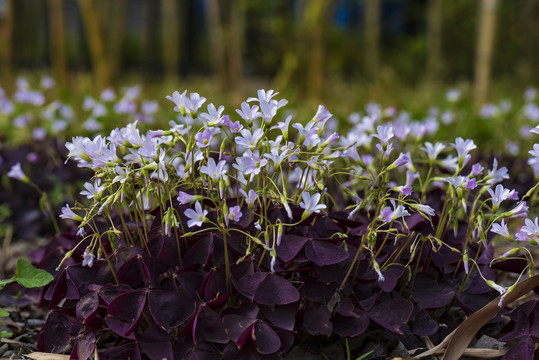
26, 318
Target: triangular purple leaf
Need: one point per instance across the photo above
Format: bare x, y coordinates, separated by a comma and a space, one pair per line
170, 309
326, 227
534, 323
287, 340
245, 308
84, 345
324, 253
391, 276
200, 253
126, 351
430, 295
86, 308
208, 327
59, 290
423, 324
392, 314
125, 311
57, 333
245, 337
350, 326
156, 343
81, 277
248, 352
316, 320
218, 301
281, 316
236, 325
214, 284
248, 284
191, 282
524, 349
265, 338
516, 266
134, 272
345, 306
275, 290
290, 246
201, 355
110, 292
521, 326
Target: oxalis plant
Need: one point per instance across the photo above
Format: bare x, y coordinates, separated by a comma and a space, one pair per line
245, 235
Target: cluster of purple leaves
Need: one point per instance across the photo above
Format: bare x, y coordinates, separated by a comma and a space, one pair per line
164, 307
524, 329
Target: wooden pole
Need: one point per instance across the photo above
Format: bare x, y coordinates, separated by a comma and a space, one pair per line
95, 43
236, 27
6, 45
485, 45
434, 39
171, 38
315, 77
57, 41
213, 13
115, 36
530, 45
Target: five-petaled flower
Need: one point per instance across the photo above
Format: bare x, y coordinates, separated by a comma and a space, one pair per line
310, 204
88, 258
388, 214
500, 194
203, 138
463, 147
234, 213
501, 229
196, 217
214, 171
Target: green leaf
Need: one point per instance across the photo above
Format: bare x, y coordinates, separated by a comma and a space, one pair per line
4, 282
3, 313
28, 276
6, 334
364, 355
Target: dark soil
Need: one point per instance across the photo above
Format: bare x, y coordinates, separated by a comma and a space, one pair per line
26, 317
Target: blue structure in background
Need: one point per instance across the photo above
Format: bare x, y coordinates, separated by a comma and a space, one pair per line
350, 14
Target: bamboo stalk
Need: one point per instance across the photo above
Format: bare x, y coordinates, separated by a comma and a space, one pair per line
6, 45
485, 45
315, 78
213, 14
57, 40
95, 43
171, 38
116, 29
236, 42
434, 39
528, 16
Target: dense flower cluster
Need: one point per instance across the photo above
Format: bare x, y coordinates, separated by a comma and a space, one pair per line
237, 168
260, 197
39, 111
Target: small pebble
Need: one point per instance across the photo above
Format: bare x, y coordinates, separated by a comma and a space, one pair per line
35, 322
8, 353
3, 349
24, 338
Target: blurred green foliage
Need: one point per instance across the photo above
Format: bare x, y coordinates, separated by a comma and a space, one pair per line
274, 28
